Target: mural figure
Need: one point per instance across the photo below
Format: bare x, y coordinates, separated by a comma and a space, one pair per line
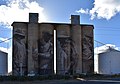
19, 58
63, 56
87, 54
35, 55
67, 54
73, 58
46, 53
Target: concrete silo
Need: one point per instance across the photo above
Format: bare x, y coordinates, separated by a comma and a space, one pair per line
109, 62
3, 63
34, 50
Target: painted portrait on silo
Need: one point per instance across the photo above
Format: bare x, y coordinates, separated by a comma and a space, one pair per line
63, 46
76, 61
67, 54
63, 49
87, 49
19, 55
35, 55
46, 52
73, 58
32, 45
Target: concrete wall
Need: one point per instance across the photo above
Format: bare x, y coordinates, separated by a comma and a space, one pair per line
19, 63
63, 49
46, 49
87, 49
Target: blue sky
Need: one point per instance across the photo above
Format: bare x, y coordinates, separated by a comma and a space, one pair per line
106, 29
103, 14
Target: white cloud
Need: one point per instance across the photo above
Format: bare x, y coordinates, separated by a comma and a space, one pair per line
3, 49
18, 10
83, 11
104, 9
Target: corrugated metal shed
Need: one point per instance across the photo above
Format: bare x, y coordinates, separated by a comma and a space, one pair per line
109, 62
3, 63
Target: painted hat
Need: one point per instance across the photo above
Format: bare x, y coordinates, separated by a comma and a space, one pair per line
19, 32
62, 34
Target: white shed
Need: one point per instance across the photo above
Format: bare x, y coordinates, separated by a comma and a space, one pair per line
3, 63
109, 62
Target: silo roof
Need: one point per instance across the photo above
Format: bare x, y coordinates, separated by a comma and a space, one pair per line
109, 50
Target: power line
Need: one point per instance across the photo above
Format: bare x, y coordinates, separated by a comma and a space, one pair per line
107, 27
102, 43
109, 34
5, 40
99, 42
107, 30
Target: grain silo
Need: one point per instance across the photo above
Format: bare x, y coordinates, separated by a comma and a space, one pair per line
33, 47
3, 63
109, 62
